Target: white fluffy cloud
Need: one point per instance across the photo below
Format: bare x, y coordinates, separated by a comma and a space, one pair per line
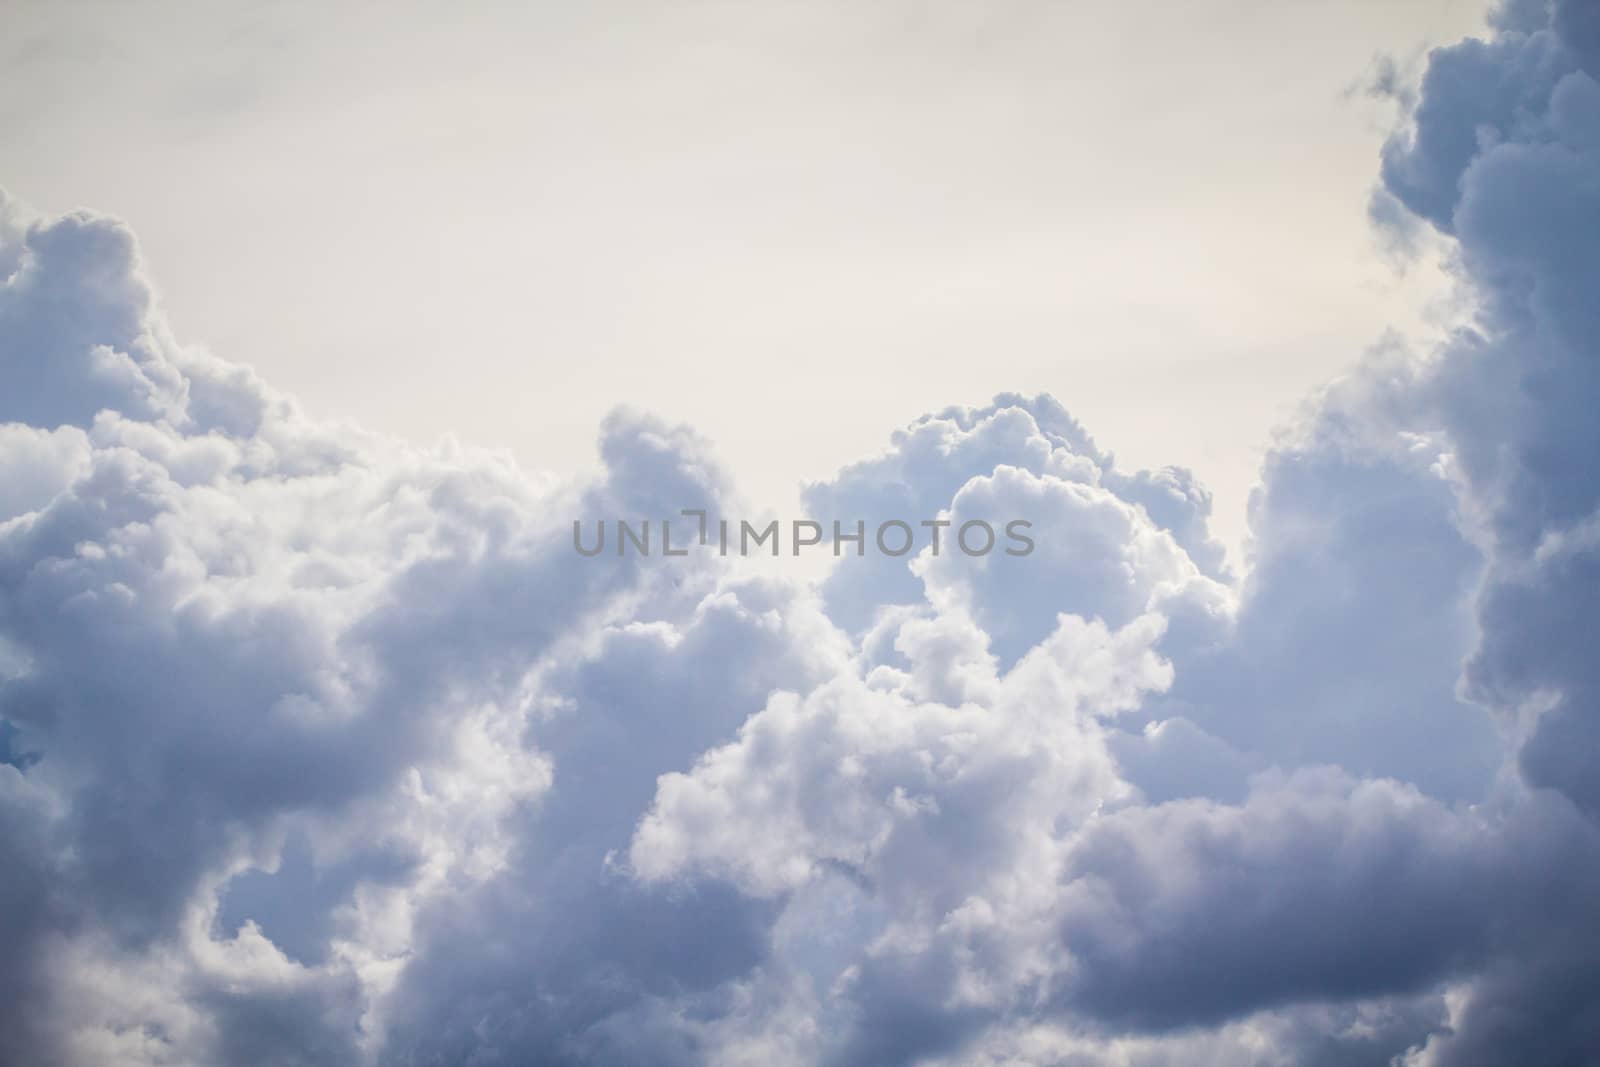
317, 748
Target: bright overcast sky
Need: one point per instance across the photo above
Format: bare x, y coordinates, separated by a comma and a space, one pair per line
794, 226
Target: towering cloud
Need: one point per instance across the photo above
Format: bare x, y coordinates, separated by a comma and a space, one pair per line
316, 748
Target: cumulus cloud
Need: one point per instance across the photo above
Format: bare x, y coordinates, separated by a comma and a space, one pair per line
317, 748
238, 641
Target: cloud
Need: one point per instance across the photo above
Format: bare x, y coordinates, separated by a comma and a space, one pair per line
228, 629
316, 747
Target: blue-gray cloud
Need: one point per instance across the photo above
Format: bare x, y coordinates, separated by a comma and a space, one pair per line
316, 748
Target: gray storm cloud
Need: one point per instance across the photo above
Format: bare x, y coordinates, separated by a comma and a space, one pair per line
316, 748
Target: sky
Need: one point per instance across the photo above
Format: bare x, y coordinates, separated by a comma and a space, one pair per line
499, 221
323, 743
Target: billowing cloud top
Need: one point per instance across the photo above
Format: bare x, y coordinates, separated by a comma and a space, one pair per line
318, 749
